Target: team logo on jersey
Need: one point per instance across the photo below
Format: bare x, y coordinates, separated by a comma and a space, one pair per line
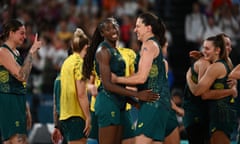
24, 84
194, 78
153, 71
4, 76
113, 113
218, 86
17, 123
140, 125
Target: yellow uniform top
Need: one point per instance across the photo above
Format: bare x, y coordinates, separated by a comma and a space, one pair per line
129, 57
93, 98
70, 72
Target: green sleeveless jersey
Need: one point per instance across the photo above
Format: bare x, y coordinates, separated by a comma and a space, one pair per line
222, 84
117, 66
196, 110
8, 83
57, 92
222, 112
157, 79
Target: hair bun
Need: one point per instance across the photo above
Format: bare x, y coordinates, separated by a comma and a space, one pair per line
79, 33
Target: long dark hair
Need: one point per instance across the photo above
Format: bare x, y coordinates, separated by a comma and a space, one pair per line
96, 39
158, 27
11, 25
218, 41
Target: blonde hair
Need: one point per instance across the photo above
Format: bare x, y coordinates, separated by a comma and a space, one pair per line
79, 40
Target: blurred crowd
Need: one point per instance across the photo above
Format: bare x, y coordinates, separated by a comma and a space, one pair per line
56, 20
209, 18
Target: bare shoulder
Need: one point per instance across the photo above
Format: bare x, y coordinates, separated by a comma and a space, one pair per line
217, 69
202, 62
102, 53
4, 52
150, 46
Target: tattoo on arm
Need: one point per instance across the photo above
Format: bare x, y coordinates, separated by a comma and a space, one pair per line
26, 68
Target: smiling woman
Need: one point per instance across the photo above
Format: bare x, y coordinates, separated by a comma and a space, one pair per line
15, 73
111, 98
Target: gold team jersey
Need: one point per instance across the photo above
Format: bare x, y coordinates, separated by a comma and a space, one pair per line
70, 72
93, 98
129, 57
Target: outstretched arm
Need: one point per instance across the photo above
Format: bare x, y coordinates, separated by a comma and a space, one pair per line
19, 72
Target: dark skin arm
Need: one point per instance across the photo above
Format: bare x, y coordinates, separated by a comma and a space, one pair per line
103, 58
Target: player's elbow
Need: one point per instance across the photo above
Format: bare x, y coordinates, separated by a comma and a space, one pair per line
196, 92
142, 79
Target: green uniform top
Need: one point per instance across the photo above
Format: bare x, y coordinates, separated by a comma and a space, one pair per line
8, 83
57, 93
222, 112
195, 108
117, 66
157, 79
222, 84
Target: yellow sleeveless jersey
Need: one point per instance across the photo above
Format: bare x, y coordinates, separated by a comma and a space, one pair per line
96, 83
129, 57
70, 72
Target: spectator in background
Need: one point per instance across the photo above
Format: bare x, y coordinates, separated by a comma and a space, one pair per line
126, 30
177, 98
211, 28
193, 22
63, 31
228, 24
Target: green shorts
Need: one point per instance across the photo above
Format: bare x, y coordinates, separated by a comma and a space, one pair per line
0, 138
107, 111
195, 109
94, 126
222, 117
172, 123
12, 115
152, 119
128, 125
73, 128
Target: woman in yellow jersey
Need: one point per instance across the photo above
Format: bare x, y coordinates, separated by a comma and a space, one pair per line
75, 117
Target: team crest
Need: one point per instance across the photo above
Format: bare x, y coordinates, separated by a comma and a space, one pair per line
218, 86
153, 71
4, 76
